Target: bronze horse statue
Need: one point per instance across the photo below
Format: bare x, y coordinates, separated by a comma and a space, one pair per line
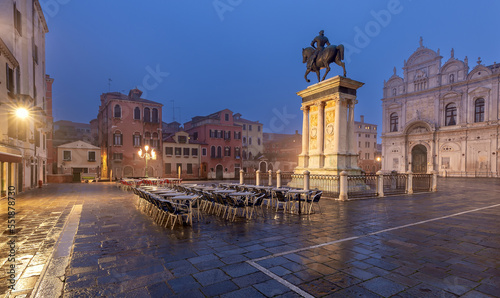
325, 57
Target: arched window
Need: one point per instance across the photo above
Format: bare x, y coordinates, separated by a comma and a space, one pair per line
147, 115
137, 113
451, 114
244, 140
117, 138
258, 141
137, 139
212, 152
250, 155
155, 115
118, 111
244, 155
219, 151
479, 110
147, 138
394, 122
452, 78
154, 140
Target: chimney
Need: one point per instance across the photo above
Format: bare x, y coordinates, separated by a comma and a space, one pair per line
362, 118
135, 94
296, 132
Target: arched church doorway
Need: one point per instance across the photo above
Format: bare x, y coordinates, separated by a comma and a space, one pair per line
419, 159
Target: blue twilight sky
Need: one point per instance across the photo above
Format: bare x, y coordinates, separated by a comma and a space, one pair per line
203, 56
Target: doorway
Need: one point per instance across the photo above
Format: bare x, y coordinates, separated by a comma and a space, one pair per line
219, 172
77, 173
419, 159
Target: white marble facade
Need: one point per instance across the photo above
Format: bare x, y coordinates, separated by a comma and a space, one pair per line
442, 117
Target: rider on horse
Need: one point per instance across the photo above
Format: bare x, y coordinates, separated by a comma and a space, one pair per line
320, 40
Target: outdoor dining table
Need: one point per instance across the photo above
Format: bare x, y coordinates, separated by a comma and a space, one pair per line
160, 189
166, 191
190, 199
171, 194
246, 194
224, 191
297, 191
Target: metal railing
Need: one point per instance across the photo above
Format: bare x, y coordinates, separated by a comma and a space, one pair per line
422, 182
345, 187
395, 184
474, 174
249, 178
361, 186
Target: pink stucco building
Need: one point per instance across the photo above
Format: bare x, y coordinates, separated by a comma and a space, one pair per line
126, 123
221, 153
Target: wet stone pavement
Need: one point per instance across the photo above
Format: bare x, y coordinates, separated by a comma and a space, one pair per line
443, 244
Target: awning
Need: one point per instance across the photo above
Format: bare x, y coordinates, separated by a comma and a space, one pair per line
9, 157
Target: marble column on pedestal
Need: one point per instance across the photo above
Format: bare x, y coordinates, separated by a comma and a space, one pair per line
304, 156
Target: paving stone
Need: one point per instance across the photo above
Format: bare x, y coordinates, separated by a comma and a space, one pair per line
354, 291
488, 289
320, 287
219, 288
184, 283
240, 269
211, 276
250, 279
245, 292
280, 271
271, 288
383, 287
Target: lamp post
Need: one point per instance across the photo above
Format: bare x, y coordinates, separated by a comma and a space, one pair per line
148, 153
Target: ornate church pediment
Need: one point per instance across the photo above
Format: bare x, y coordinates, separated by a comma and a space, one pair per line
479, 91
452, 66
479, 71
418, 126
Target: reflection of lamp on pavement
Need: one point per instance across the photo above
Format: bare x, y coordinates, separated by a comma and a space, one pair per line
147, 154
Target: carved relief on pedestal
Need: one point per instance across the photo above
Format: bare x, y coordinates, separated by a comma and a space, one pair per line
313, 133
329, 127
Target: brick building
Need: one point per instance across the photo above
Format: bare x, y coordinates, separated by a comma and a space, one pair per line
126, 123
366, 135
221, 158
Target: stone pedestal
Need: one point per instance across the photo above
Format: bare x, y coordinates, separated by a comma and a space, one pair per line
328, 139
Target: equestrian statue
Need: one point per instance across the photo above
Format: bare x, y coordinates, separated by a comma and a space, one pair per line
319, 57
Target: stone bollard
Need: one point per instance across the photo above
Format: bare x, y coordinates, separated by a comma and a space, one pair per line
306, 179
257, 177
270, 183
409, 182
434, 181
343, 186
278, 178
380, 184
241, 177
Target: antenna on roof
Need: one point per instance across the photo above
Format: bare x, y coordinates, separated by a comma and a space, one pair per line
173, 110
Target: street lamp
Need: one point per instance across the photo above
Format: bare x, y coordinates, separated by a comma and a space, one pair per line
22, 113
147, 154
